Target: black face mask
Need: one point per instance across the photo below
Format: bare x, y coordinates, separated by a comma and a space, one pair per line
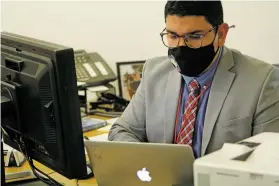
192, 62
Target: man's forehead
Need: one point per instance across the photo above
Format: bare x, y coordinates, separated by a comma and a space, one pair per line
186, 24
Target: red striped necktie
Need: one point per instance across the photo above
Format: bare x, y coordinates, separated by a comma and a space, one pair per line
189, 117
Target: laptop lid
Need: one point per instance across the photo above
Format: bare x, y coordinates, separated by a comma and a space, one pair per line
125, 163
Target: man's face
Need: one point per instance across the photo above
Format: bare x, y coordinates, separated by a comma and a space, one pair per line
196, 25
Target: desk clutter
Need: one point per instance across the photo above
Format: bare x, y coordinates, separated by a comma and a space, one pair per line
94, 76
102, 101
89, 123
14, 158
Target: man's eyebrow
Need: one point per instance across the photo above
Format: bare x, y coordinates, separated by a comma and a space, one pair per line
172, 32
196, 32
193, 32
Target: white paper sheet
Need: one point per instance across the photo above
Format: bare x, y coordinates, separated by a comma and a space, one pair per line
111, 121
102, 137
98, 88
104, 129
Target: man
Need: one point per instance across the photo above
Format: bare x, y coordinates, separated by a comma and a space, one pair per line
202, 94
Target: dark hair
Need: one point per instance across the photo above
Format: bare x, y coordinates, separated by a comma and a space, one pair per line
211, 10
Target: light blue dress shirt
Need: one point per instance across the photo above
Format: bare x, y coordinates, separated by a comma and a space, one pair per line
205, 79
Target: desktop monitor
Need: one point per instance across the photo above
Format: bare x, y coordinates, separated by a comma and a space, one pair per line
40, 109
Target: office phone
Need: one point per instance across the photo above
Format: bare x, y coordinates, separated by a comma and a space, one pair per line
92, 70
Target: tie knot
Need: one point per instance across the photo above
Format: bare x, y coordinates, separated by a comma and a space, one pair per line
194, 87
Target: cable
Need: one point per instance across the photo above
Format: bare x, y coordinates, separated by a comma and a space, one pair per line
31, 166
50, 181
46, 179
77, 182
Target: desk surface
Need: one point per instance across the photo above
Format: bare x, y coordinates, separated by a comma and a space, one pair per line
58, 177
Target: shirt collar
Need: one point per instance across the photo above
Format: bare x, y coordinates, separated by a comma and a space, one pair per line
205, 78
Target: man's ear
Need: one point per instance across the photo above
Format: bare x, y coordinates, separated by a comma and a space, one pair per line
222, 34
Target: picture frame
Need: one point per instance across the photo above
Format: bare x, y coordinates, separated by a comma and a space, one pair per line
129, 76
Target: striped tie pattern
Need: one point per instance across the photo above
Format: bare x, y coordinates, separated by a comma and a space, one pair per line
189, 117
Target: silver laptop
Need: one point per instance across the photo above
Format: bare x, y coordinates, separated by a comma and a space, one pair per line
135, 164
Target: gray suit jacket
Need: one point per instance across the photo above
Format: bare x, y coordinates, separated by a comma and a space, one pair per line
243, 101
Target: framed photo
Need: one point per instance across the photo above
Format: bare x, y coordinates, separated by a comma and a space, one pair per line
129, 77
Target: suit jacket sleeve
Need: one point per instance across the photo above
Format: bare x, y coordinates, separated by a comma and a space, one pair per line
266, 117
131, 125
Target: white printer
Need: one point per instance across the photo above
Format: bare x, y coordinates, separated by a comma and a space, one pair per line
251, 162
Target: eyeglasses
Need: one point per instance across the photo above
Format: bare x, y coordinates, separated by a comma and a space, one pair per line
171, 40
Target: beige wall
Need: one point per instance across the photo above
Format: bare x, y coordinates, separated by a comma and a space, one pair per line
125, 30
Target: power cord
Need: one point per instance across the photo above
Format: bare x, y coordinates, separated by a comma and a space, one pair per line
34, 169
45, 178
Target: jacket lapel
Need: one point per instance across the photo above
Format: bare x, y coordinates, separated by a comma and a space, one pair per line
221, 84
171, 100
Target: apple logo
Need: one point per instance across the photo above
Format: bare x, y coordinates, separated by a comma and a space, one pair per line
143, 175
